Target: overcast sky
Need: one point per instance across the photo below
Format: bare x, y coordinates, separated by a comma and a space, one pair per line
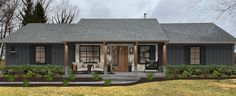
166, 11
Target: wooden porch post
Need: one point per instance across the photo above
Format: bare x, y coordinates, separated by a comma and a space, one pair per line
135, 54
164, 61
136, 59
105, 57
66, 58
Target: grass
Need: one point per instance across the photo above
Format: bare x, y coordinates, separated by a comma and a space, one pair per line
162, 88
2, 64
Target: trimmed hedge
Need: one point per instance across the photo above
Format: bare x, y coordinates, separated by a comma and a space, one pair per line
28, 71
199, 71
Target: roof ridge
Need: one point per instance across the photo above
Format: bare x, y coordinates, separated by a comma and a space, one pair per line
189, 23
117, 18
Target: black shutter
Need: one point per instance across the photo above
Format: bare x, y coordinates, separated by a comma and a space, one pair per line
152, 52
138, 54
32, 54
203, 55
187, 54
160, 53
48, 54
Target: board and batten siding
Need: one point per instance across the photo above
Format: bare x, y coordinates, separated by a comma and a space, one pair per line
210, 53
25, 54
220, 54
21, 56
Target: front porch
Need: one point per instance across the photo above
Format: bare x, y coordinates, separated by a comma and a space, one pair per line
126, 59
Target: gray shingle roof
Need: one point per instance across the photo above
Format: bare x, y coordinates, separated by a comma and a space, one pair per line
40, 33
196, 33
120, 30
117, 30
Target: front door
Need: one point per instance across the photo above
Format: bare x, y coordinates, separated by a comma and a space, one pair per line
120, 58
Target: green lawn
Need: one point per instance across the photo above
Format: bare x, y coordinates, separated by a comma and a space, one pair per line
163, 88
2, 64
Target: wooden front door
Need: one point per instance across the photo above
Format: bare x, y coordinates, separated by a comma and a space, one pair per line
120, 58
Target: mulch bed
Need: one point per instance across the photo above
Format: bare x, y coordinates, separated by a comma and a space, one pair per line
142, 80
57, 79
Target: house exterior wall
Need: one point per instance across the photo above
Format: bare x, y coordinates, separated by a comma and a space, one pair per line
25, 54
176, 54
210, 53
21, 56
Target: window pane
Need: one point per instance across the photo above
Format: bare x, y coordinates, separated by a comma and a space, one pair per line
89, 54
197, 55
197, 49
82, 53
192, 55
89, 48
96, 59
37, 60
96, 49
197, 61
82, 48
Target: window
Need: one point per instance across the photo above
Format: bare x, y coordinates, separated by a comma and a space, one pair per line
146, 52
195, 55
40, 54
89, 53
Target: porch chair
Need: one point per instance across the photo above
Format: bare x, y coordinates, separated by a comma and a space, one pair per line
98, 67
151, 65
81, 67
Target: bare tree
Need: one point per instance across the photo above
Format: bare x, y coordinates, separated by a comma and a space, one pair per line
7, 25
2, 2
65, 13
222, 7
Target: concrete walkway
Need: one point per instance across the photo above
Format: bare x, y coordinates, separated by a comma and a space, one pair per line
126, 74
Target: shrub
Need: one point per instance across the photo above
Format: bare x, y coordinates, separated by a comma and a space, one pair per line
66, 82
25, 82
29, 74
96, 76
215, 74
29, 71
10, 77
203, 71
107, 82
149, 76
72, 76
49, 76
184, 74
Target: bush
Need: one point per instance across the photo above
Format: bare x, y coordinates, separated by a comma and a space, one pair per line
96, 76
10, 77
29, 71
107, 82
149, 76
25, 82
49, 76
66, 82
72, 76
200, 71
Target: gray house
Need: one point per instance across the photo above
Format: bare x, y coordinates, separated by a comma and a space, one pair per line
116, 44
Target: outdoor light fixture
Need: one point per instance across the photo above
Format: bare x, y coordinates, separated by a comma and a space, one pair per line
13, 50
108, 50
131, 50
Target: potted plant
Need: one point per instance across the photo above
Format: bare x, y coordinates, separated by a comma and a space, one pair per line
130, 65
